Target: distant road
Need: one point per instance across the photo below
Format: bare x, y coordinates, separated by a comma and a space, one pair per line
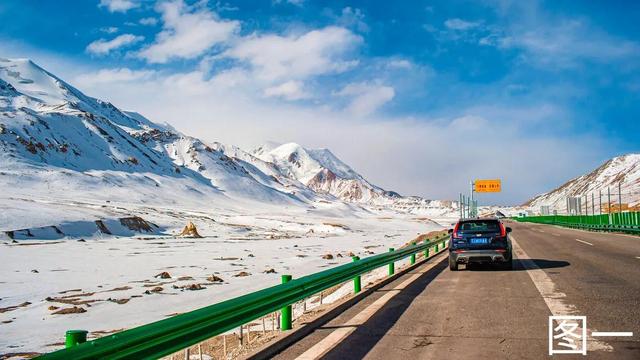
484, 313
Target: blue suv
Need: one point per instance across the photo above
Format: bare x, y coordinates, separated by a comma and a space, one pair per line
482, 240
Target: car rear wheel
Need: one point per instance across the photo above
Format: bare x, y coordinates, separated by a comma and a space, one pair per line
453, 265
507, 265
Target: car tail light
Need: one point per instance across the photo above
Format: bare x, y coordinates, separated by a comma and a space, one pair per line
503, 230
457, 235
459, 251
501, 250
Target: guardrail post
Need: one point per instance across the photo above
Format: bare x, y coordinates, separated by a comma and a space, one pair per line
426, 251
413, 256
285, 318
391, 264
75, 337
356, 280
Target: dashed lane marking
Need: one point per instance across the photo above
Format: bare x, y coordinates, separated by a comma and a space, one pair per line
584, 242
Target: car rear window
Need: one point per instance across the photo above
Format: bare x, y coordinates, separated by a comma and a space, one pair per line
479, 226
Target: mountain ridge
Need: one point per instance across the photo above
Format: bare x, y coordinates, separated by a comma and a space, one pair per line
52, 130
623, 170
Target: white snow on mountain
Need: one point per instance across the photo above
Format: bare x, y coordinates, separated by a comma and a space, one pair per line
622, 170
323, 172
49, 126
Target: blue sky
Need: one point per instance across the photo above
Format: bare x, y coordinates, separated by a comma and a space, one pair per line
534, 92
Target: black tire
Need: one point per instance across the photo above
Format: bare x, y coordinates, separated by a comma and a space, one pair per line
453, 266
507, 265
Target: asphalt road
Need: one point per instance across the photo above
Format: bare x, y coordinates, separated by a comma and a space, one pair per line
487, 313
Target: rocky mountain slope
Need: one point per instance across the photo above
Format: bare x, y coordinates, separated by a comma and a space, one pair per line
323, 172
623, 170
56, 142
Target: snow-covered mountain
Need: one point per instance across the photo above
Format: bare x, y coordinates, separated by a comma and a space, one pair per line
623, 170
323, 172
56, 140
49, 127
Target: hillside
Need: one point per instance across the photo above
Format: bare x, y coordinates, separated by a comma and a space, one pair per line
623, 170
58, 143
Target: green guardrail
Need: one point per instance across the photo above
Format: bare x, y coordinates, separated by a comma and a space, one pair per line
173, 334
628, 222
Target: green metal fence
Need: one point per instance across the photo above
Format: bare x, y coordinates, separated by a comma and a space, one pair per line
170, 335
628, 222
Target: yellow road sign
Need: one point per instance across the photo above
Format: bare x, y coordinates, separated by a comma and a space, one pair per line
487, 185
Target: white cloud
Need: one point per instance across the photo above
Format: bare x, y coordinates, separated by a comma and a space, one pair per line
292, 2
109, 30
290, 90
118, 5
563, 43
316, 52
110, 76
402, 154
103, 46
148, 21
352, 18
188, 32
399, 64
367, 98
459, 24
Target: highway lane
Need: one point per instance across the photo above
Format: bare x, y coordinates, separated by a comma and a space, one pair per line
602, 280
486, 313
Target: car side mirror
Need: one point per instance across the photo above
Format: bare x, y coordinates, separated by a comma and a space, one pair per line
509, 229
450, 231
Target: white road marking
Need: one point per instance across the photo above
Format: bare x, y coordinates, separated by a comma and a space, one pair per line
584, 242
551, 296
336, 336
612, 333
637, 257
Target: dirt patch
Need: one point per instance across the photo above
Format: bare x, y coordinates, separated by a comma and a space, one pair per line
11, 308
68, 291
119, 301
190, 287
136, 223
163, 275
71, 310
337, 225
214, 278
432, 235
121, 288
19, 355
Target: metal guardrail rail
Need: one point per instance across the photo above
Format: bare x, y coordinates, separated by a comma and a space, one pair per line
628, 222
170, 335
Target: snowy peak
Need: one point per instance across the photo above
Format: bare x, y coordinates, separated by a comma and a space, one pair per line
44, 92
323, 172
294, 161
622, 170
329, 161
